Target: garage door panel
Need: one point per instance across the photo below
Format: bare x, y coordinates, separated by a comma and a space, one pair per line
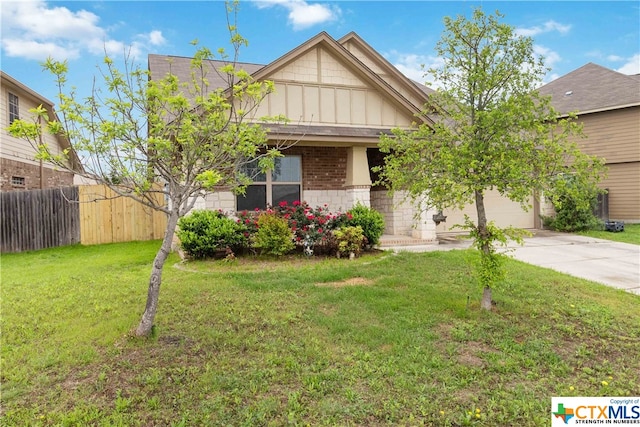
499, 209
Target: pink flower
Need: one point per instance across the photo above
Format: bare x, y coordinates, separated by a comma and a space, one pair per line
283, 203
296, 203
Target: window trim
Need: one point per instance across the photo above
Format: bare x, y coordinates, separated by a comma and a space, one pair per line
14, 107
269, 183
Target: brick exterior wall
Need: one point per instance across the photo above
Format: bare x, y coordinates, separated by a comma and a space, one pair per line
323, 168
31, 175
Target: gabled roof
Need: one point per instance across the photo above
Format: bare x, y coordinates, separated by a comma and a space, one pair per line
352, 37
63, 141
593, 88
325, 40
160, 65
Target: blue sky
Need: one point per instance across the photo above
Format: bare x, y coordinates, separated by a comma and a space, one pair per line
569, 34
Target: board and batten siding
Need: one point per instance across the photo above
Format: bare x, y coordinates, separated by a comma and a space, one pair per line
371, 63
615, 136
317, 88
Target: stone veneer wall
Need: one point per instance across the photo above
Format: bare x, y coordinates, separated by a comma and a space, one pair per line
31, 175
400, 217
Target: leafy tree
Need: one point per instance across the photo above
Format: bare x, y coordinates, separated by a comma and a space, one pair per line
145, 135
491, 130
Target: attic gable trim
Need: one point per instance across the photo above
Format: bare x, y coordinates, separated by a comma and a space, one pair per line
26, 89
324, 39
381, 60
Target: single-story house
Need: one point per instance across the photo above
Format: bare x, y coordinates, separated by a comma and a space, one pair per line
607, 104
340, 95
19, 170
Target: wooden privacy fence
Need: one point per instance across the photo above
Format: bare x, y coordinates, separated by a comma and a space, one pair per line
39, 219
89, 214
107, 218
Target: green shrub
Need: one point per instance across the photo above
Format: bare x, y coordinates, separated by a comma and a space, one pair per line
274, 237
203, 233
371, 221
574, 203
349, 239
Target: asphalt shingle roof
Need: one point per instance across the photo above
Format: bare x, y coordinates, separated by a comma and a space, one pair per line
161, 65
592, 88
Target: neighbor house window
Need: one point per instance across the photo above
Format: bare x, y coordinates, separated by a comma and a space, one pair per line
282, 184
17, 181
14, 108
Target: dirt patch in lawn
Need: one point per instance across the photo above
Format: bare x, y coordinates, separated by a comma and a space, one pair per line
354, 281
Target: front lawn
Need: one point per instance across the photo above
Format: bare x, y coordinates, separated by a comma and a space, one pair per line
381, 340
631, 234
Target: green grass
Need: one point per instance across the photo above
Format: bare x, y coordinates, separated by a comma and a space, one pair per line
382, 340
631, 234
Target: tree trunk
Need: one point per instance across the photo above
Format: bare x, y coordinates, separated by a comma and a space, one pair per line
153, 294
486, 303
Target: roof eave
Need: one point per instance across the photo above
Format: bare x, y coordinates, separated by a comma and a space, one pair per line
600, 110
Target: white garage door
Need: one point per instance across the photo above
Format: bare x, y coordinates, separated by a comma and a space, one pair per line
499, 209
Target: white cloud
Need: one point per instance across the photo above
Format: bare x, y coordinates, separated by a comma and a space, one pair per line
36, 30
30, 49
547, 27
632, 66
551, 57
156, 38
414, 66
615, 58
302, 14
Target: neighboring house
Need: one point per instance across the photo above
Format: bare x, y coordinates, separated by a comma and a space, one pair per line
340, 95
607, 104
19, 170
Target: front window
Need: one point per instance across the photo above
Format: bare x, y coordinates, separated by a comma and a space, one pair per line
14, 109
282, 184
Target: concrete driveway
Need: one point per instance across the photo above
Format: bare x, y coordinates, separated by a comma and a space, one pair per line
611, 263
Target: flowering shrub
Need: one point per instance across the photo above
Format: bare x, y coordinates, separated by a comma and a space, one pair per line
312, 227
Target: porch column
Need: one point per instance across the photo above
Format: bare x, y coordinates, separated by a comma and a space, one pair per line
424, 228
358, 182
